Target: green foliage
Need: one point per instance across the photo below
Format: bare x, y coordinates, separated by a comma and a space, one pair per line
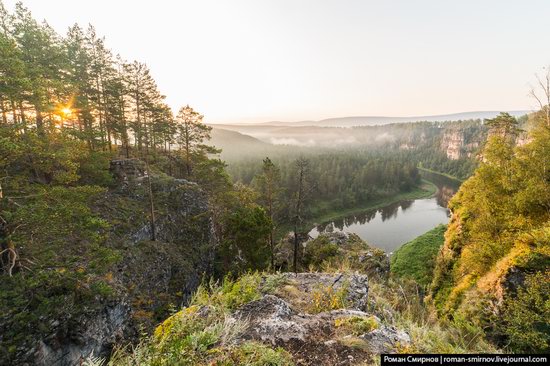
526, 315
53, 217
230, 294
244, 229
499, 227
317, 251
416, 259
356, 324
64, 278
94, 170
341, 178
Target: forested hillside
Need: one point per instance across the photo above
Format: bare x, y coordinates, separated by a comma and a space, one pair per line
122, 224
493, 268
103, 227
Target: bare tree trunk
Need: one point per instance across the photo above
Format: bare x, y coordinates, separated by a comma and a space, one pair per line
14, 113
39, 118
4, 115
151, 204
298, 218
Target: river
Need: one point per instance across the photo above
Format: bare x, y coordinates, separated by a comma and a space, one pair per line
392, 226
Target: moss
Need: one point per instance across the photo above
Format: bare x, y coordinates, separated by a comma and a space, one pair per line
357, 325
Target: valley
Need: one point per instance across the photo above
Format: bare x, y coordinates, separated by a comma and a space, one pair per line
134, 232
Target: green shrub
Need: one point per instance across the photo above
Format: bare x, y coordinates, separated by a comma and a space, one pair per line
230, 294
317, 251
527, 316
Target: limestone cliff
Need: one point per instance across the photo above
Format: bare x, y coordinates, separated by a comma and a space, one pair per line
460, 143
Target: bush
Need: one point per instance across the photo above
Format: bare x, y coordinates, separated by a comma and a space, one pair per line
527, 315
326, 298
230, 294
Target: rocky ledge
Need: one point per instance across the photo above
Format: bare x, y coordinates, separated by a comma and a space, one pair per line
288, 318
319, 318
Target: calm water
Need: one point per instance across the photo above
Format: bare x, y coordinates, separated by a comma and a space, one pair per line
394, 225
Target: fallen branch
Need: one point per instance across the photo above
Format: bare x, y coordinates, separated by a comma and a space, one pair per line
12, 257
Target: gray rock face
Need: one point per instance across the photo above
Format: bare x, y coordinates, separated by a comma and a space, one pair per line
127, 169
96, 336
385, 339
151, 274
316, 338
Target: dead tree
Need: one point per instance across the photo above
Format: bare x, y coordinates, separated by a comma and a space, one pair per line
544, 99
302, 168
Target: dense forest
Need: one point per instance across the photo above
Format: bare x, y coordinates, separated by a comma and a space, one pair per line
340, 178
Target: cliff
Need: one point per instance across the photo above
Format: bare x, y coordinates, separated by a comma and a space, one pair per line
462, 141
336, 316
493, 267
145, 280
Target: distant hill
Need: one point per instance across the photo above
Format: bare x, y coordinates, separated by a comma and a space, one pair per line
382, 120
235, 144
222, 139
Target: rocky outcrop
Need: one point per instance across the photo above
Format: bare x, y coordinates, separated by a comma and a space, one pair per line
150, 278
452, 143
462, 142
287, 318
92, 335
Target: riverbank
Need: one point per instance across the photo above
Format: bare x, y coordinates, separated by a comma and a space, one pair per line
416, 258
425, 190
452, 177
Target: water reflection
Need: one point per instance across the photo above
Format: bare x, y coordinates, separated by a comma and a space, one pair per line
391, 226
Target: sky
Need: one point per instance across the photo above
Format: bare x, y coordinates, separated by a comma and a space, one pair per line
291, 60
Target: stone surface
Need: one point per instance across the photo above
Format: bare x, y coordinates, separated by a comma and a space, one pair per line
151, 276
280, 320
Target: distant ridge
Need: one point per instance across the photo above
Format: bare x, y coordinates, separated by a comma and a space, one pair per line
383, 120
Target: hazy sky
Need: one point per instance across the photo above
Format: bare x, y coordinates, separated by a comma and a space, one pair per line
260, 60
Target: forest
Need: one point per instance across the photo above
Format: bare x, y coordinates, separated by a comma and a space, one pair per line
110, 201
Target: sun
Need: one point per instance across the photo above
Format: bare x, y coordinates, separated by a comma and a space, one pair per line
66, 111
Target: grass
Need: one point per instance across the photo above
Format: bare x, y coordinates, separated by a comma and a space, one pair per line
416, 259
327, 298
204, 334
400, 303
443, 174
356, 324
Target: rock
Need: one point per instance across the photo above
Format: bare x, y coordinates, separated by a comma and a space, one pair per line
128, 169
96, 336
151, 276
282, 319
385, 339
358, 291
